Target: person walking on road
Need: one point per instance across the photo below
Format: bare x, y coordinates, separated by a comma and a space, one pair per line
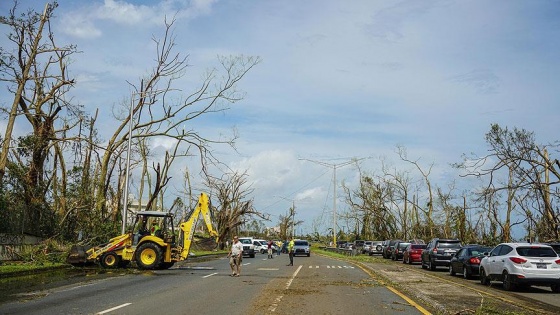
291, 251
270, 244
235, 257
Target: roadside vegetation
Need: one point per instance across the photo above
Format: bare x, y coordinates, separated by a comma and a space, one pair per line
64, 179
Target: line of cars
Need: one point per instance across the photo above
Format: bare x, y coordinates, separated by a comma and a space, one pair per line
252, 246
515, 265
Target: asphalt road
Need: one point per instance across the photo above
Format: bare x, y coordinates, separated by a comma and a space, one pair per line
314, 285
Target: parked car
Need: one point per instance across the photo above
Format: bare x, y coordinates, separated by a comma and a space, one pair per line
521, 264
301, 247
438, 252
467, 260
341, 244
376, 248
388, 250
367, 247
416, 241
397, 253
359, 244
413, 253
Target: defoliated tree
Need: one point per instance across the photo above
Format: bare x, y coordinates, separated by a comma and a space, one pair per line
531, 176
157, 113
35, 72
233, 207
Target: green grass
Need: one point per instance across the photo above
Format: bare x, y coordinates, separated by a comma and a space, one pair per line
17, 267
209, 252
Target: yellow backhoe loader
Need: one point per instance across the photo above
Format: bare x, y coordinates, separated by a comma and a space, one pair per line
151, 243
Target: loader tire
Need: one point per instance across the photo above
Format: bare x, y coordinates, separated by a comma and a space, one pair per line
148, 256
110, 260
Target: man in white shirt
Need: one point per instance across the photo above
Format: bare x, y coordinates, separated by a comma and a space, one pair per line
235, 257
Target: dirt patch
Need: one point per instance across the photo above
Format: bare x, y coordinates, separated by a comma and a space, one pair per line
448, 296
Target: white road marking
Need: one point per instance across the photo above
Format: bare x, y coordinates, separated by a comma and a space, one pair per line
292, 278
210, 275
278, 299
113, 308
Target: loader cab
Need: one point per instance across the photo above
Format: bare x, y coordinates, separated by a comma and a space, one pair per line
159, 224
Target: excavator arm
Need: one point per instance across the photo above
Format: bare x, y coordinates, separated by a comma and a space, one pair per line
187, 227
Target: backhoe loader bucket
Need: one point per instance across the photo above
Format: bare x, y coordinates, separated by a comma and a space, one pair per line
77, 256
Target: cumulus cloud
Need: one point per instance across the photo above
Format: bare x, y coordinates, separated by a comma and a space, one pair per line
87, 23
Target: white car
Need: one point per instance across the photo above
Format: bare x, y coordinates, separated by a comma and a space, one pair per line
521, 264
260, 246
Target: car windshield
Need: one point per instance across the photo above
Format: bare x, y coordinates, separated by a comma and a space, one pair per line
449, 245
245, 241
533, 251
403, 245
301, 243
417, 246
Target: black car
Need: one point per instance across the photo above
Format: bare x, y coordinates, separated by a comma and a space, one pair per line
388, 250
398, 251
439, 252
467, 260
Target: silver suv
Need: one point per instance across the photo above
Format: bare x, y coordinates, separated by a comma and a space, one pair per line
301, 247
521, 264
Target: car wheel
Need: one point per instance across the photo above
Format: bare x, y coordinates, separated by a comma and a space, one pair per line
466, 274
423, 265
555, 288
451, 271
484, 280
506, 282
431, 265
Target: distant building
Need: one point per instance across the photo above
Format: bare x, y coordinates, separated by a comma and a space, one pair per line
272, 231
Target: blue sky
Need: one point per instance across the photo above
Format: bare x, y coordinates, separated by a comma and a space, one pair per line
338, 79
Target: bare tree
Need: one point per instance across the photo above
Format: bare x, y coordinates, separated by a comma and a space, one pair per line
36, 74
234, 206
516, 155
157, 114
429, 213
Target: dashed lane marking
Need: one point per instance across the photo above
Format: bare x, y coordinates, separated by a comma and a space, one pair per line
112, 309
278, 299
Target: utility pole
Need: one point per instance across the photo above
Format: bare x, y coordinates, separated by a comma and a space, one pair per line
334, 167
127, 171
